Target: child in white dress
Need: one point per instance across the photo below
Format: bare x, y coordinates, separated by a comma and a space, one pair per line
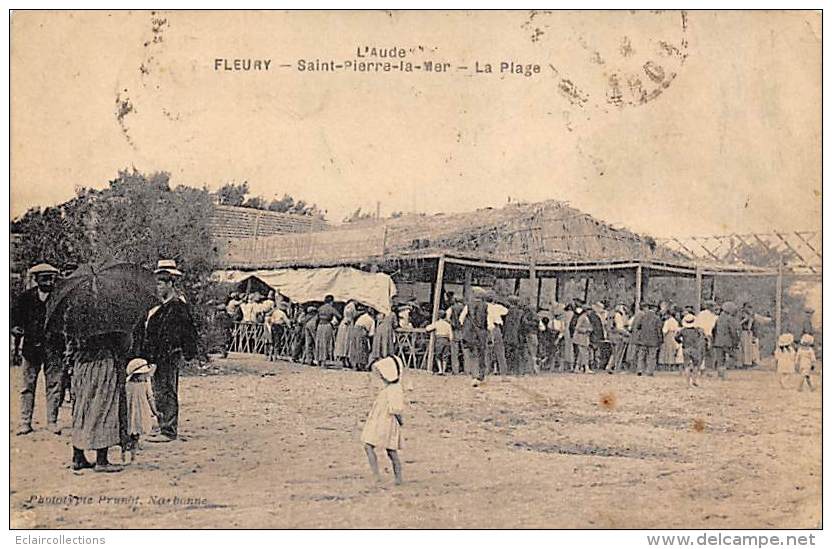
784, 358
383, 427
141, 406
806, 361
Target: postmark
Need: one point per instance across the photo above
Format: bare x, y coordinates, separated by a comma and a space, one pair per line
624, 60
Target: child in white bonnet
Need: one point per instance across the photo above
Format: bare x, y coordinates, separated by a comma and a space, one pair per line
141, 406
806, 361
784, 357
383, 427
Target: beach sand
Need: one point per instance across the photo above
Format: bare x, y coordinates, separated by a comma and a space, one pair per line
275, 445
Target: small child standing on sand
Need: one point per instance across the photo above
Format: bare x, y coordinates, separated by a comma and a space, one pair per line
383, 427
806, 361
784, 358
141, 406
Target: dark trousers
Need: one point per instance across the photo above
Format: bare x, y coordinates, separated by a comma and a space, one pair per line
53, 373
646, 358
166, 393
603, 352
277, 340
456, 350
723, 359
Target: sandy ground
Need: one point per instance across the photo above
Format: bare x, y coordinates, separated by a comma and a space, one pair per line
273, 445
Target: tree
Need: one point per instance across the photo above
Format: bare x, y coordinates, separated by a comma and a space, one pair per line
233, 194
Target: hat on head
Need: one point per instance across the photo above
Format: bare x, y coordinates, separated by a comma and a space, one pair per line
140, 366
388, 369
43, 268
167, 266
809, 310
689, 320
785, 340
807, 339
311, 309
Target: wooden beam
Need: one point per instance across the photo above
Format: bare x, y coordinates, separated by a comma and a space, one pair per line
437, 297
539, 290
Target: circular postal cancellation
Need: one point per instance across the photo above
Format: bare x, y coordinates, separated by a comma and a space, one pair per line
608, 60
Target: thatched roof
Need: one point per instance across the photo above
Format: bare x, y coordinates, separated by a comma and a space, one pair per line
544, 231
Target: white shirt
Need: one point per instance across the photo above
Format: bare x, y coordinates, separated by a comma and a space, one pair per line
495, 312
367, 322
277, 317
706, 320
442, 328
670, 325
250, 311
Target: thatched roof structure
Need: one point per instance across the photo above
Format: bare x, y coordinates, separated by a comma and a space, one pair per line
541, 232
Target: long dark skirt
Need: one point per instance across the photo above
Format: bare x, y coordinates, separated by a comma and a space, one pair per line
99, 414
359, 348
324, 343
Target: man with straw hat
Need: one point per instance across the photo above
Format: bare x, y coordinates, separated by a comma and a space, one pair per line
28, 318
167, 338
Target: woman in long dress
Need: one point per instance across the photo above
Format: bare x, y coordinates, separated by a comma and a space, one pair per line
669, 351
99, 414
342, 337
384, 339
567, 344
359, 344
749, 336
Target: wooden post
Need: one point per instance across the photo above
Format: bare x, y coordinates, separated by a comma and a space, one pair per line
466, 286
698, 289
539, 290
586, 290
558, 288
437, 297
533, 284
778, 301
638, 286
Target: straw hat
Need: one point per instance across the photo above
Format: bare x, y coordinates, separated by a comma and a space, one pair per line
140, 366
388, 369
807, 339
688, 321
43, 268
785, 340
167, 266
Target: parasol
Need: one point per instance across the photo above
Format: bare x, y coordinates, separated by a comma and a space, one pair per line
95, 300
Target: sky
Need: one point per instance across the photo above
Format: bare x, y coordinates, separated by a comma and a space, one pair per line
726, 140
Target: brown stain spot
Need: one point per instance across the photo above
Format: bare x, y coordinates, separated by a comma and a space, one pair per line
608, 401
699, 425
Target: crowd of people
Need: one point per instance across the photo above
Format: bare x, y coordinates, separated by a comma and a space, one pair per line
506, 335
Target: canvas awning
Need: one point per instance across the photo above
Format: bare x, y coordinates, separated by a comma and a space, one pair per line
344, 283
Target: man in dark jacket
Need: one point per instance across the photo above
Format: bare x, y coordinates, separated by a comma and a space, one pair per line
475, 335
28, 317
726, 337
167, 338
456, 309
647, 329
511, 334
598, 340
